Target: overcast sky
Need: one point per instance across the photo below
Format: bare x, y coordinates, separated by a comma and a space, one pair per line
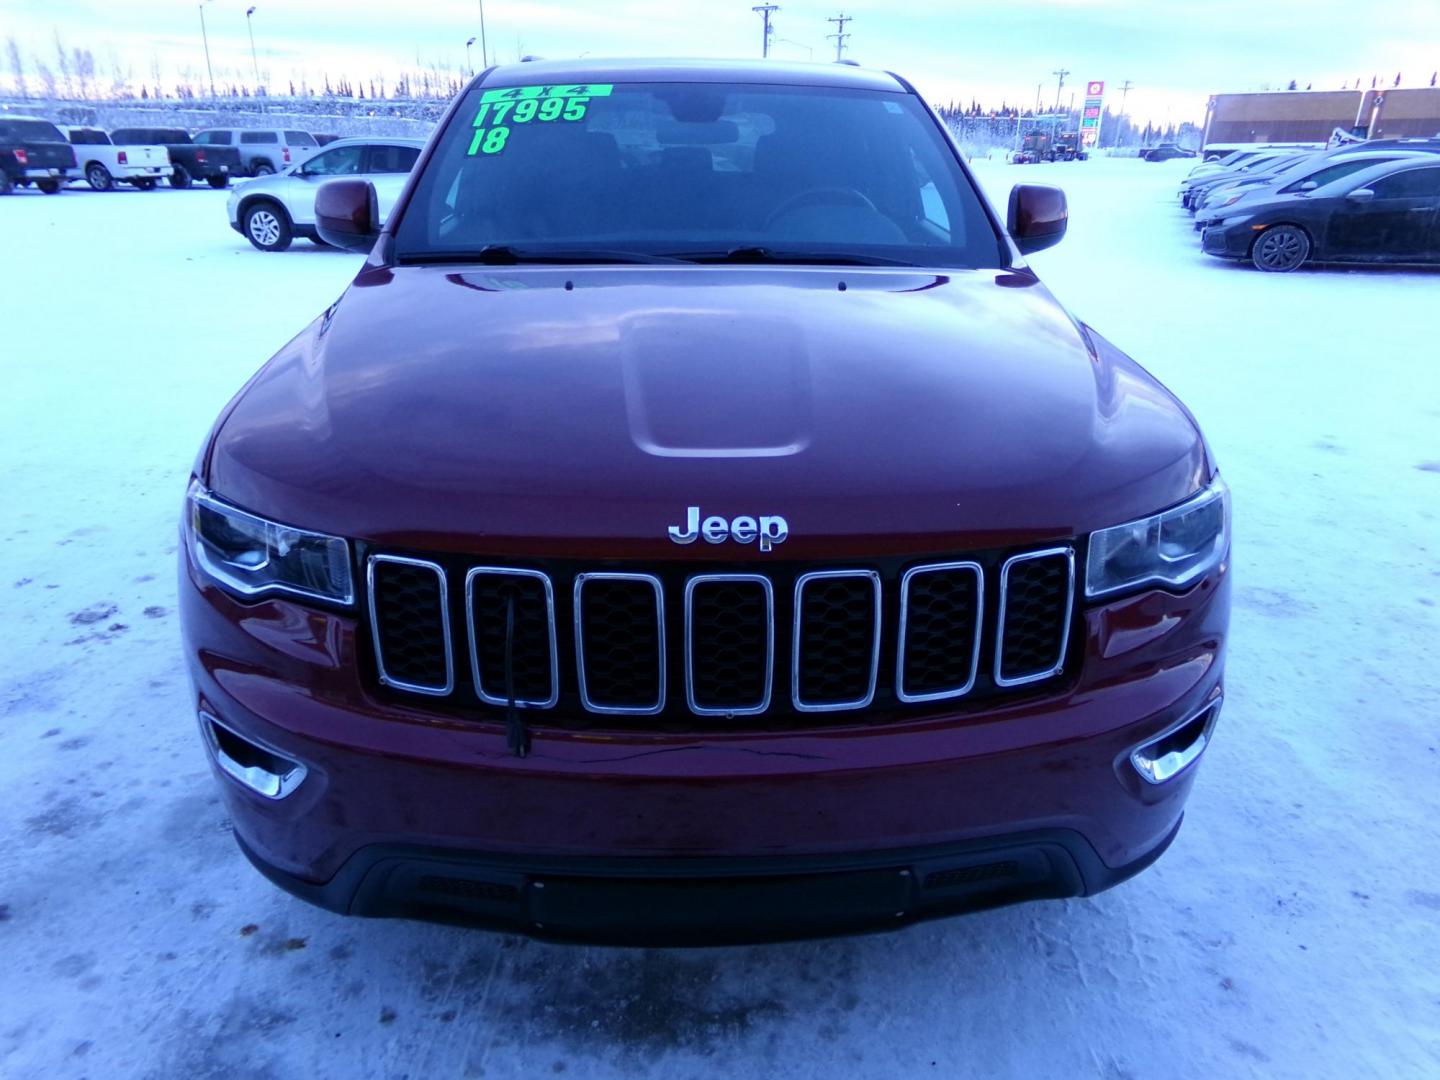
1175, 51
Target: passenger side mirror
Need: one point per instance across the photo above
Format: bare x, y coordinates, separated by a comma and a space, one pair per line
1037, 217
347, 214
1361, 195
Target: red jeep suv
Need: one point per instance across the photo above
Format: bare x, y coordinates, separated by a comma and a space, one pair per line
696, 523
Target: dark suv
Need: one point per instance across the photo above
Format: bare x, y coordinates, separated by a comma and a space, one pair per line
697, 523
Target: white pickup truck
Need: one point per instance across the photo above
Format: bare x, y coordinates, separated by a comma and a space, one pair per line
102, 164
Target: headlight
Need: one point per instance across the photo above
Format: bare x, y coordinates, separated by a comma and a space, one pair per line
1236, 220
1175, 547
253, 556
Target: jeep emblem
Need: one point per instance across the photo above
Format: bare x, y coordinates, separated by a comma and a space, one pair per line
769, 530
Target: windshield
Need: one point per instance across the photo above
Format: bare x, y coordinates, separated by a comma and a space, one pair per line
681, 170
34, 131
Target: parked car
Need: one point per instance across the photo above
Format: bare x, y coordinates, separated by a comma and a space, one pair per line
33, 151
1387, 213
1306, 175
325, 139
271, 211
613, 559
189, 162
1166, 152
263, 151
1264, 167
103, 164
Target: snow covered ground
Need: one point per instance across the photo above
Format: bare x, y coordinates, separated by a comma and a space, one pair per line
1290, 932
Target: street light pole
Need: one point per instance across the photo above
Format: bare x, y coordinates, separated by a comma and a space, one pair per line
254, 59
205, 38
484, 57
468, 62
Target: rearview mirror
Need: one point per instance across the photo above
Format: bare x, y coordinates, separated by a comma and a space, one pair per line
347, 214
1363, 194
1037, 217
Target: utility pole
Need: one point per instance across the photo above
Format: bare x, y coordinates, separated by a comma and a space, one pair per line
205, 38
764, 11
484, 62
253, 58
1037, 96
1059, 85
1125, 88
840, 35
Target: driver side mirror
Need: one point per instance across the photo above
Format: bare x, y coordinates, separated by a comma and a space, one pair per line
1361, 195
347, 214
1037, 217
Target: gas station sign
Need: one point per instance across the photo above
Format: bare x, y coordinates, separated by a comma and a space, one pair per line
1090, 115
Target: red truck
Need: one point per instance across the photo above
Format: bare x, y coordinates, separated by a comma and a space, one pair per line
690, 526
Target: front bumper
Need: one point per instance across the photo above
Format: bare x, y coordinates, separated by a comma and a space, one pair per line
1227, 241
409, 812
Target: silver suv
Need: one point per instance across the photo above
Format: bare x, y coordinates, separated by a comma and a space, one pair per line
272, 210
263, 151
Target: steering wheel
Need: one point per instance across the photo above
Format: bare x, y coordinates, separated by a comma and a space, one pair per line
821, 196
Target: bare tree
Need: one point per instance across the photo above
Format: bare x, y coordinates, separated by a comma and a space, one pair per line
62, 60
48, 87
17, 66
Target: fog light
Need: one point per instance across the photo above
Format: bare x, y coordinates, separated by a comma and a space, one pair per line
1173, 752
256, 767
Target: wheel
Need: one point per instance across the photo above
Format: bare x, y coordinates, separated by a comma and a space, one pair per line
218, 181
144, 185
180, 178
263, 168
1280, 249
98, 177
49, 187
6, 184
267, 226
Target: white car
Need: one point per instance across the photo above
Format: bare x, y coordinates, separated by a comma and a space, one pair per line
103, 164
270, 211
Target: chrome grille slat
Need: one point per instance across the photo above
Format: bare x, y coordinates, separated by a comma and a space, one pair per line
497, 694
797, 658
903, 654
692, 695
378, 630
586, 699
1044, 671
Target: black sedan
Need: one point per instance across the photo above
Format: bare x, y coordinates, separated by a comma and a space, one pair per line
1389, 213
1166, 152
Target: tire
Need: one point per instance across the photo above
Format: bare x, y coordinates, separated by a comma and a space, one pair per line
49, 187
6, 184
98, 177
1280, 249
267, 226
180, 178
218, 181
262, 168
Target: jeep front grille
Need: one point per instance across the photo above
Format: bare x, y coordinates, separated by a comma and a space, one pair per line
692, 643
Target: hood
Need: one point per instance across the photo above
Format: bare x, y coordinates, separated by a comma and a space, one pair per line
582, 411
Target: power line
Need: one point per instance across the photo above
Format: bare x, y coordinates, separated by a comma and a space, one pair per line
764, 11
840, 35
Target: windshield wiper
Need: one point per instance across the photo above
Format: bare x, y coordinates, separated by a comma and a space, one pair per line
758, 254
510, 255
